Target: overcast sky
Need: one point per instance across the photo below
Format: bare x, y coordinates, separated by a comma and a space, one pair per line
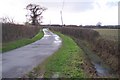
85, 12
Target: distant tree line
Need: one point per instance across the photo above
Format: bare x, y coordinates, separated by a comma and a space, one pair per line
86, 26
105, 26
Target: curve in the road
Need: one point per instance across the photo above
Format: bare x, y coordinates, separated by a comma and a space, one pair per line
20, 61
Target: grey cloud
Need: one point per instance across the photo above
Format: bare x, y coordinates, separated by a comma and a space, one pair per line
69, 5
78, 6
112, 4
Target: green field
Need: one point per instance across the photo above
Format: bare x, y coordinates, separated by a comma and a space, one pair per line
66, 62
110, 34
19, 43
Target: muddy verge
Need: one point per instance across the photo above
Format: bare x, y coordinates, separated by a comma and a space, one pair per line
109, 52
88, 67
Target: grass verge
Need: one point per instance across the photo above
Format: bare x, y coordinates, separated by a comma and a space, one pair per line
65, 63
19, 43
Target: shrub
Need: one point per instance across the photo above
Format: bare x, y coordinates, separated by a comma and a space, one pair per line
86, 34
11, 32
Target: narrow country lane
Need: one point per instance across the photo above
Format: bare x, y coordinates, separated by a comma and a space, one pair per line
20, 61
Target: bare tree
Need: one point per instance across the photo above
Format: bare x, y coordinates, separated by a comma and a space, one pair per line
7, 20
99, 24
35, 14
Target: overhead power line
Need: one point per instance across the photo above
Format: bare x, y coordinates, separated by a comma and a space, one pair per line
63, 4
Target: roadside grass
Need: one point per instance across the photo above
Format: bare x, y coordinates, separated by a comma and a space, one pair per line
19, 43
65, 63
110, 34
0, 47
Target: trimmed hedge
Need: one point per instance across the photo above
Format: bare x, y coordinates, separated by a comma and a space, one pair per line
12, 32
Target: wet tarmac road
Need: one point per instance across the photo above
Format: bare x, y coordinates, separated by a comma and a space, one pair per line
20, 61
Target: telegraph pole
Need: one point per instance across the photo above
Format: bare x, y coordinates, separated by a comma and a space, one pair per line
50, 23
61, 18
61, 13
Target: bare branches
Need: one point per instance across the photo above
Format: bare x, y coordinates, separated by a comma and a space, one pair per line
7, 20
36, 12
